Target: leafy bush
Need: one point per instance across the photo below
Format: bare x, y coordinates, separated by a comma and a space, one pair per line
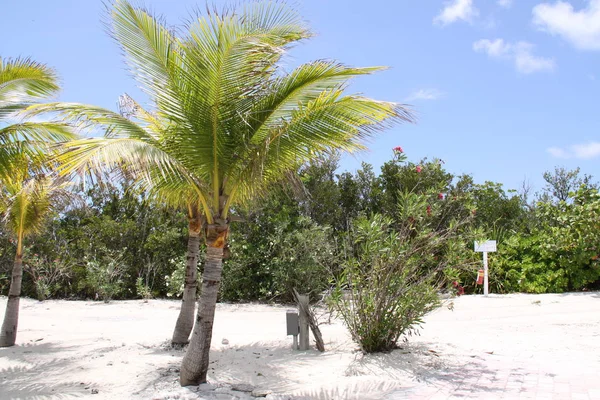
50, 277
142, 289
561, 252
106, 278
275, 250
175, 282
391, 278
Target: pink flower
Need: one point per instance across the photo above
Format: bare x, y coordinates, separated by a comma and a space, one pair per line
418, 168
441, 196
398, 149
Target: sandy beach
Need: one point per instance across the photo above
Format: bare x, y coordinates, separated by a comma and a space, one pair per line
509, 346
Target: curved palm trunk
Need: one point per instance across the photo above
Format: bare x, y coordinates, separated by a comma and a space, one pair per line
195, 362
185, 321
8, 334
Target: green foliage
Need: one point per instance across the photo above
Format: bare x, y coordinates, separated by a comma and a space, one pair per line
391, 278
175, 282
561, 252
142, 289
105, 277
49, 277
294, 238
275, 250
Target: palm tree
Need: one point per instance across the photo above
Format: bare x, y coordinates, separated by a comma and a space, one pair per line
25, 202
227, 121
25, 190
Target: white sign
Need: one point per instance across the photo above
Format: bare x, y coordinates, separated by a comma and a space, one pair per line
487, 246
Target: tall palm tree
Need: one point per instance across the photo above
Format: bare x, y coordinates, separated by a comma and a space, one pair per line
229, 121
25, 189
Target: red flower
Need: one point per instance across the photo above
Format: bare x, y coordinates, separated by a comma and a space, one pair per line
428, 210
459, 289
441, 196
398, 149
418, 168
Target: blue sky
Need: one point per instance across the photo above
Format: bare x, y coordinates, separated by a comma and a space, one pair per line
504, 90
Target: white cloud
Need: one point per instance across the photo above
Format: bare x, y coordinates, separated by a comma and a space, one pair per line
557, 152
527, 63
494, 48
520, 53
455, 10
581, 28
425, 94
505, 3
584, 151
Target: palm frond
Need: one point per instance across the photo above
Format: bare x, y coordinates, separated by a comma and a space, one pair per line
41, 132
26, 203
24, 80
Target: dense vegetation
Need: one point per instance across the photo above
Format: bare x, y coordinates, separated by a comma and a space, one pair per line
115, 243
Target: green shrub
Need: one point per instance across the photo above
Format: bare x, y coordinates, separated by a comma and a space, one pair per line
269, 260
106, 278
50, 277
175, 282
391, 278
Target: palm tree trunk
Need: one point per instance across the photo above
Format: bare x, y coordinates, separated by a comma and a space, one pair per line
195, 362
185, 321
8, 334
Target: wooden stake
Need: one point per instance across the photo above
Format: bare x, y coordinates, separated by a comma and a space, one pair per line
303, 312
312, 322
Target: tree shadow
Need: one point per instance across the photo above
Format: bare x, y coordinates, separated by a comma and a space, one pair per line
40, 379
369, 376
595, 294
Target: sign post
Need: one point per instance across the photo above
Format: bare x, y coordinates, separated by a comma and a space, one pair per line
485, 247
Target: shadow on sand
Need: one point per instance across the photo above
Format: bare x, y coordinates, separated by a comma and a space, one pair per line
393, 375
34, 380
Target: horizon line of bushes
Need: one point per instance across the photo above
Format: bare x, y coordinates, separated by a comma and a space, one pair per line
117, 244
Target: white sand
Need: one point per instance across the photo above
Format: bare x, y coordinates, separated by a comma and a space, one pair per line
68, 349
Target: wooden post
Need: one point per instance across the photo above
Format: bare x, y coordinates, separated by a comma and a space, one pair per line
302, 311
485, 274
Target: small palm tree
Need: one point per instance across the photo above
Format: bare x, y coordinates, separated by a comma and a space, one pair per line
25, 202
26, 191
227, 121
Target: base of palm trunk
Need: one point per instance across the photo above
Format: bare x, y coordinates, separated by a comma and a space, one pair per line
8, 334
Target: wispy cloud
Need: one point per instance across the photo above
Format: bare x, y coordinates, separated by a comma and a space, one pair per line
520, 53
557, 152
581, 28
425, 94
456, 10
505, 3
583, 151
